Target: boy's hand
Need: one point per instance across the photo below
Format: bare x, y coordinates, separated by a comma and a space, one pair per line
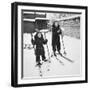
58, 31
45, 41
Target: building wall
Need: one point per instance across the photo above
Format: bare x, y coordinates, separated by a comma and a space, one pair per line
29, 27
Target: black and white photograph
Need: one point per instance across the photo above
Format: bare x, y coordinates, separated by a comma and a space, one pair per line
51, 44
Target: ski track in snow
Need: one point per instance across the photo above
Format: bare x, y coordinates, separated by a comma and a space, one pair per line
72, 47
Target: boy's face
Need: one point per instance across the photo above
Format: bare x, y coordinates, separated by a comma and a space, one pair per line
56, 23
39, 35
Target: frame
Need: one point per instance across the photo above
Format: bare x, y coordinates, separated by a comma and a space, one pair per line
27, 18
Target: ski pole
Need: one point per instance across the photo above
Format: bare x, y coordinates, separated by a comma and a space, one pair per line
63, 45
47, 46
32, 38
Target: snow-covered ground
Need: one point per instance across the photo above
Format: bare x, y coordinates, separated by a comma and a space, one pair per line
72, 46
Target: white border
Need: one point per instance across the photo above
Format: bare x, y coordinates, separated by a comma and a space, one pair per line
30, 81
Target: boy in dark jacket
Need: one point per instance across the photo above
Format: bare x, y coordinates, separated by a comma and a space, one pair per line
39, 50
56, 31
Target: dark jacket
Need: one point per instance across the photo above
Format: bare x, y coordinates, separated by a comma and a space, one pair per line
56, 31
39, 44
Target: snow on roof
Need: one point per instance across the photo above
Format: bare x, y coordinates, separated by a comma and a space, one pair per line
31, 20
41, 13
26, 12
41, 18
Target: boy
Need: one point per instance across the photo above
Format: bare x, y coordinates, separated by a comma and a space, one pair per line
39, 41
56, 31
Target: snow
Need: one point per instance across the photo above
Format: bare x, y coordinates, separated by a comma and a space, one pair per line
72, 47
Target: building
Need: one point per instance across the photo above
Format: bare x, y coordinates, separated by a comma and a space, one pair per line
33, 20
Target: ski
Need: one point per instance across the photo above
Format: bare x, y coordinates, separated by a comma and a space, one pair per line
40, 69
64, 52
63, 45
65, 58
48, 60
48, 66
58, 59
